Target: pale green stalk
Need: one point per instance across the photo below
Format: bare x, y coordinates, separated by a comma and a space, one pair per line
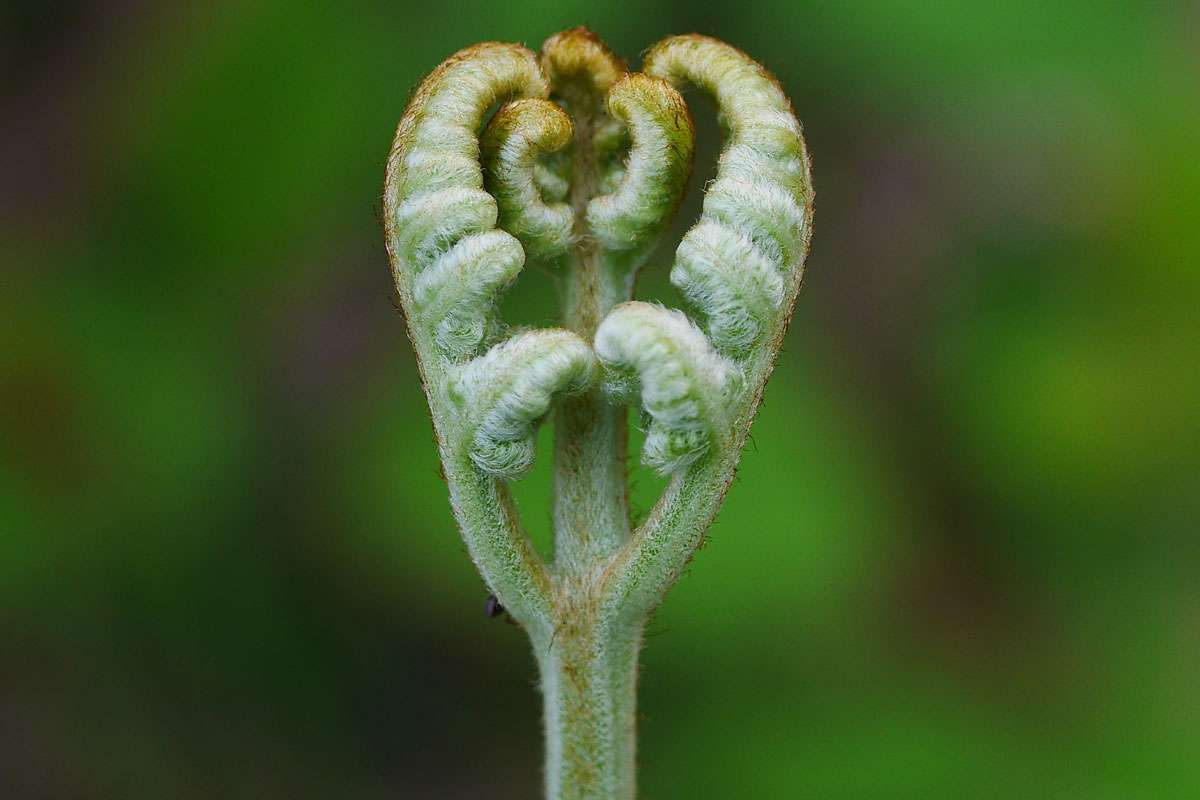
582, 167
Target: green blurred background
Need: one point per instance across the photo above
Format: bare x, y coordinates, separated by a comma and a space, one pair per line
961, 559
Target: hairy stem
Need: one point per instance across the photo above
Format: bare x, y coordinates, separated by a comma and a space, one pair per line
589, 687
591, 514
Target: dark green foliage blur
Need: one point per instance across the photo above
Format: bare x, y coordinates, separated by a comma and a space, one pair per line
961, 559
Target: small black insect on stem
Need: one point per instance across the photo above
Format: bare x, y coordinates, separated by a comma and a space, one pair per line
492, 607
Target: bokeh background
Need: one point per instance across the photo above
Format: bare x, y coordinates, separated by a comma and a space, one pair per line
961, 559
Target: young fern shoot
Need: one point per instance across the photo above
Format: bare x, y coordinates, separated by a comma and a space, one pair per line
581, 168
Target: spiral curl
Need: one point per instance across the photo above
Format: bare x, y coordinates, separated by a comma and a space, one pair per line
741, 263
685, 385
451, 260
447, 254
505, 394
520, 131
656, 171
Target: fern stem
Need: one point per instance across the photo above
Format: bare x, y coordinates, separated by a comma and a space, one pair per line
589, 687
591, 514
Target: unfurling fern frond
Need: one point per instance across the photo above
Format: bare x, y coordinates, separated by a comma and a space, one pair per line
581, 168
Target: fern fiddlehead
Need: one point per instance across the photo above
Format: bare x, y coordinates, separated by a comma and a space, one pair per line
581, 168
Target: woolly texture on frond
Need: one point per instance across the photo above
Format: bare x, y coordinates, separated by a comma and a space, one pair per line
685, 384
581, 70
447, 254
656, 170
436, 145
741, 263
505, 393
578, 56
451, 261
517, 134
457, 294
